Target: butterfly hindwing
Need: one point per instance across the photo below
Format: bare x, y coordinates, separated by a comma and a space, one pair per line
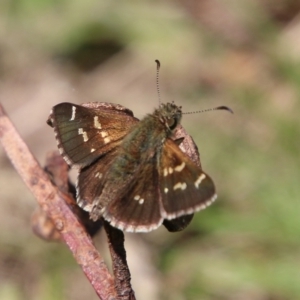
184, 187
84, 134
138, 209
91, 179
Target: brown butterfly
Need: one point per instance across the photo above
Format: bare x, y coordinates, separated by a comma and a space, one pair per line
131, 173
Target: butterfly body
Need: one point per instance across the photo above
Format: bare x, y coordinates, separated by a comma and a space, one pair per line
131, 172
142, 145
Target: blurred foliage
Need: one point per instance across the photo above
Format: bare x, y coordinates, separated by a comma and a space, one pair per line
244, 54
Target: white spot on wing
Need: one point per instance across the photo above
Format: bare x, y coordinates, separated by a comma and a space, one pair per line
85, 137
93, 150
99, 175
137, 197
104, 134
141, 201
179, 185
199, 180
106, 140
97, 124
73, 113
84, 134
171, 170
166, 190
180, 167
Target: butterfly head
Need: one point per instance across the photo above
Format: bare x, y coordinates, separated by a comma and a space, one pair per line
169, 114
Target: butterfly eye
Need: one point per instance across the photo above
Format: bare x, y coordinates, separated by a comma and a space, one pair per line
172, 123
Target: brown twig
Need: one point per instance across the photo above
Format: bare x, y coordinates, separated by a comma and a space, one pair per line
54, 203
120, 267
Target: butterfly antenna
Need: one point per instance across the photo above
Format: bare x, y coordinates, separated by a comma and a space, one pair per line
157, 79
209, 109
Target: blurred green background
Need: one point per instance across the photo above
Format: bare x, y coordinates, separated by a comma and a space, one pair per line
244, 54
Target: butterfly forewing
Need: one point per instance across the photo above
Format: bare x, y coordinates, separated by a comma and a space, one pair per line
84, 134
184, 187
